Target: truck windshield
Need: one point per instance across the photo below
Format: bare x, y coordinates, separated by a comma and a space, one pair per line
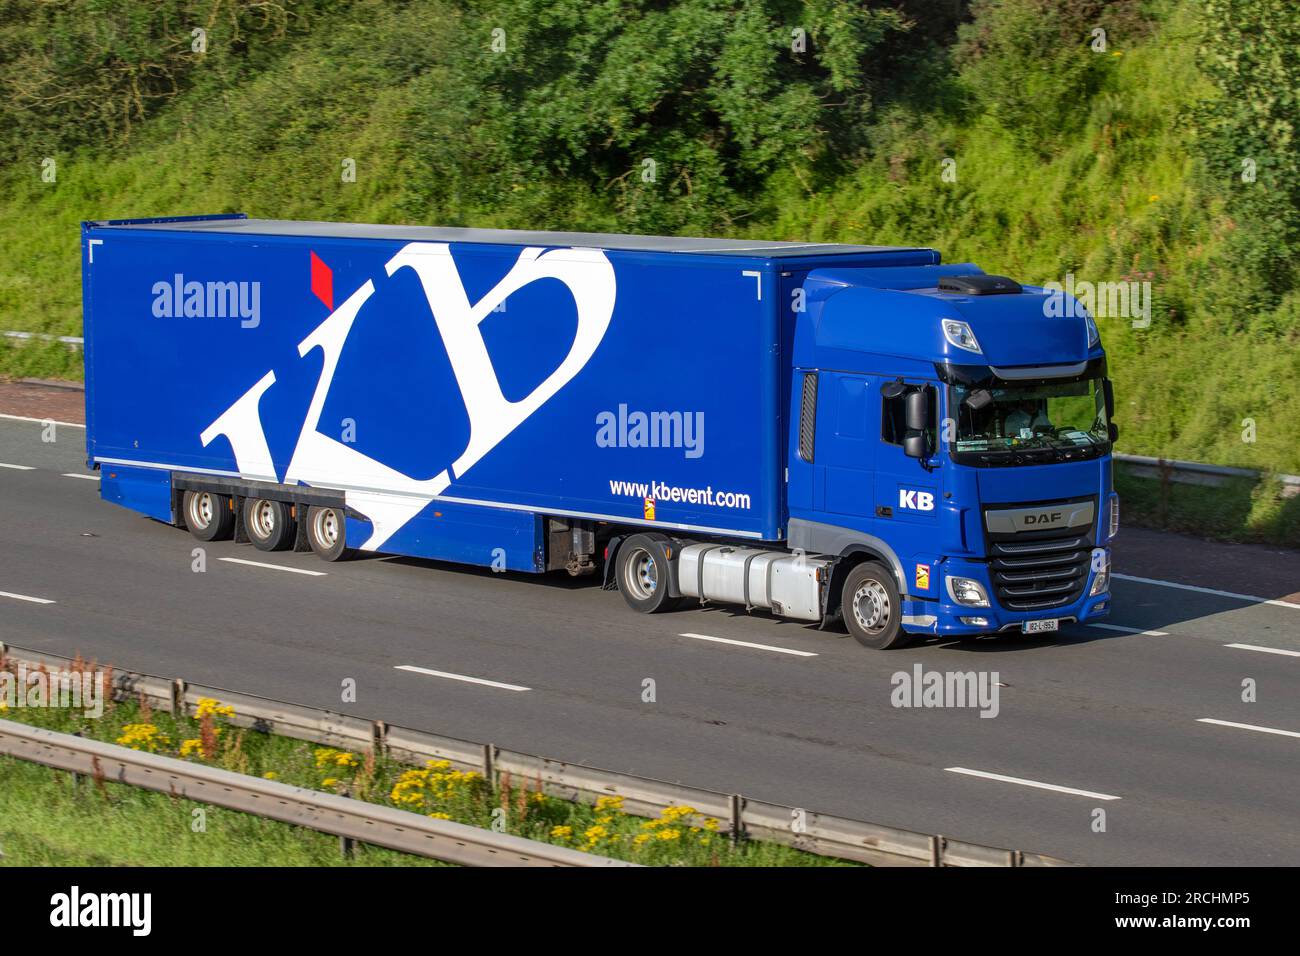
1020, 424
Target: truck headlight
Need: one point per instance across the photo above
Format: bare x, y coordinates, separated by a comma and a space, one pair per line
1114, 516
1101, 567
959, 333
967, 592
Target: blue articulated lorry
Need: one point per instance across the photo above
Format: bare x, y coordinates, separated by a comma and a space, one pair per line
821, 432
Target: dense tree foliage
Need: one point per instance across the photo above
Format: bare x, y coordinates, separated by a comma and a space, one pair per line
1150, 141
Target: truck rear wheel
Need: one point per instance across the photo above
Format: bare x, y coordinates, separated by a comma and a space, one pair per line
326, 533
269, 524
643, 572
207, 515
873, 612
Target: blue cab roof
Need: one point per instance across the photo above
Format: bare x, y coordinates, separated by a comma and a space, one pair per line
899, 312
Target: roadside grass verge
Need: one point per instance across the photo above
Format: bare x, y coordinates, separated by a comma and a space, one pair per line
48, 820
1240, 509
37, 804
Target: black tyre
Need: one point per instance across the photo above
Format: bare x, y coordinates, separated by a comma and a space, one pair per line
207, 515
269, 524
643, 571
326, 533
873, 612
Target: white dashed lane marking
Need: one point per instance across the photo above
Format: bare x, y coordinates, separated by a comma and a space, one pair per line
1130, 630
1254, 727
274, 567
1001, 778
26, 597
460, 677
1252, 598
749, 644
1264, 650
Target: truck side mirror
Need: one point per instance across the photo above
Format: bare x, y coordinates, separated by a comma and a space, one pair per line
916, 445
1114, 433
916, 414
1108, 390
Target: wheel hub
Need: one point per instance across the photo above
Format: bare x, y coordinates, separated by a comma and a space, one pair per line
871, 607
263, 516
644, 574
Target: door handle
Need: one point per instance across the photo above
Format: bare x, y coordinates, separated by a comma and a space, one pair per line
884, 511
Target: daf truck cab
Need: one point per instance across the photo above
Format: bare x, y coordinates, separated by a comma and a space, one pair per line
948, 466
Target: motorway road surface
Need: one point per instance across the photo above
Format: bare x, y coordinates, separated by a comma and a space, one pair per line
1113, 717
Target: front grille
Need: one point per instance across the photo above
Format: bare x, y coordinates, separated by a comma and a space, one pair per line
1035, 573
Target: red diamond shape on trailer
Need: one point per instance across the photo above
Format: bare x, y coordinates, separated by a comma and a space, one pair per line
322, 281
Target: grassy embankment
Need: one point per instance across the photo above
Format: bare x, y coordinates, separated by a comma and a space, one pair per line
46, 820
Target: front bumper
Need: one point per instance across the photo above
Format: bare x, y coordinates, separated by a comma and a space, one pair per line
945, 616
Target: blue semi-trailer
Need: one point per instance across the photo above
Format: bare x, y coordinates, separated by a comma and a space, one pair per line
820, 431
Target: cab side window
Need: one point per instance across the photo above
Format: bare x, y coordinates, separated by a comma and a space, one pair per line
893, 415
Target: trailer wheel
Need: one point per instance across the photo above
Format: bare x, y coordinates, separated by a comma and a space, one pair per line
207, 515
325, 533
269, 524
873, 612
643, 573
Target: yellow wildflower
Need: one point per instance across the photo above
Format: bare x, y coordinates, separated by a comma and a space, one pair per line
142, 737
214, 707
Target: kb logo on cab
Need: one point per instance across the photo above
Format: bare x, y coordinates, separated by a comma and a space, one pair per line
915, 500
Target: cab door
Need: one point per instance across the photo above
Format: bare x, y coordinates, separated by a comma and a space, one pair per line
908, 491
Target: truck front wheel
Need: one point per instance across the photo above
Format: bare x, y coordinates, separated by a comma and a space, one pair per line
269, 524
873, 612
643, 573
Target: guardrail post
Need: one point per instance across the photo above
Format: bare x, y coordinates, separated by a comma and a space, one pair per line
346, 846
178, 698
379, 737
937, 844
736, 811
76, 777
490, 764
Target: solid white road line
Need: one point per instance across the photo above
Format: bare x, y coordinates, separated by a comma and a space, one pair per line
26, 597
274, 567
1253, 598
1262, 730
758, 647
42, 421
17, 467
1032, 783
73, 474
461, 677
1130, 630
1265, 650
